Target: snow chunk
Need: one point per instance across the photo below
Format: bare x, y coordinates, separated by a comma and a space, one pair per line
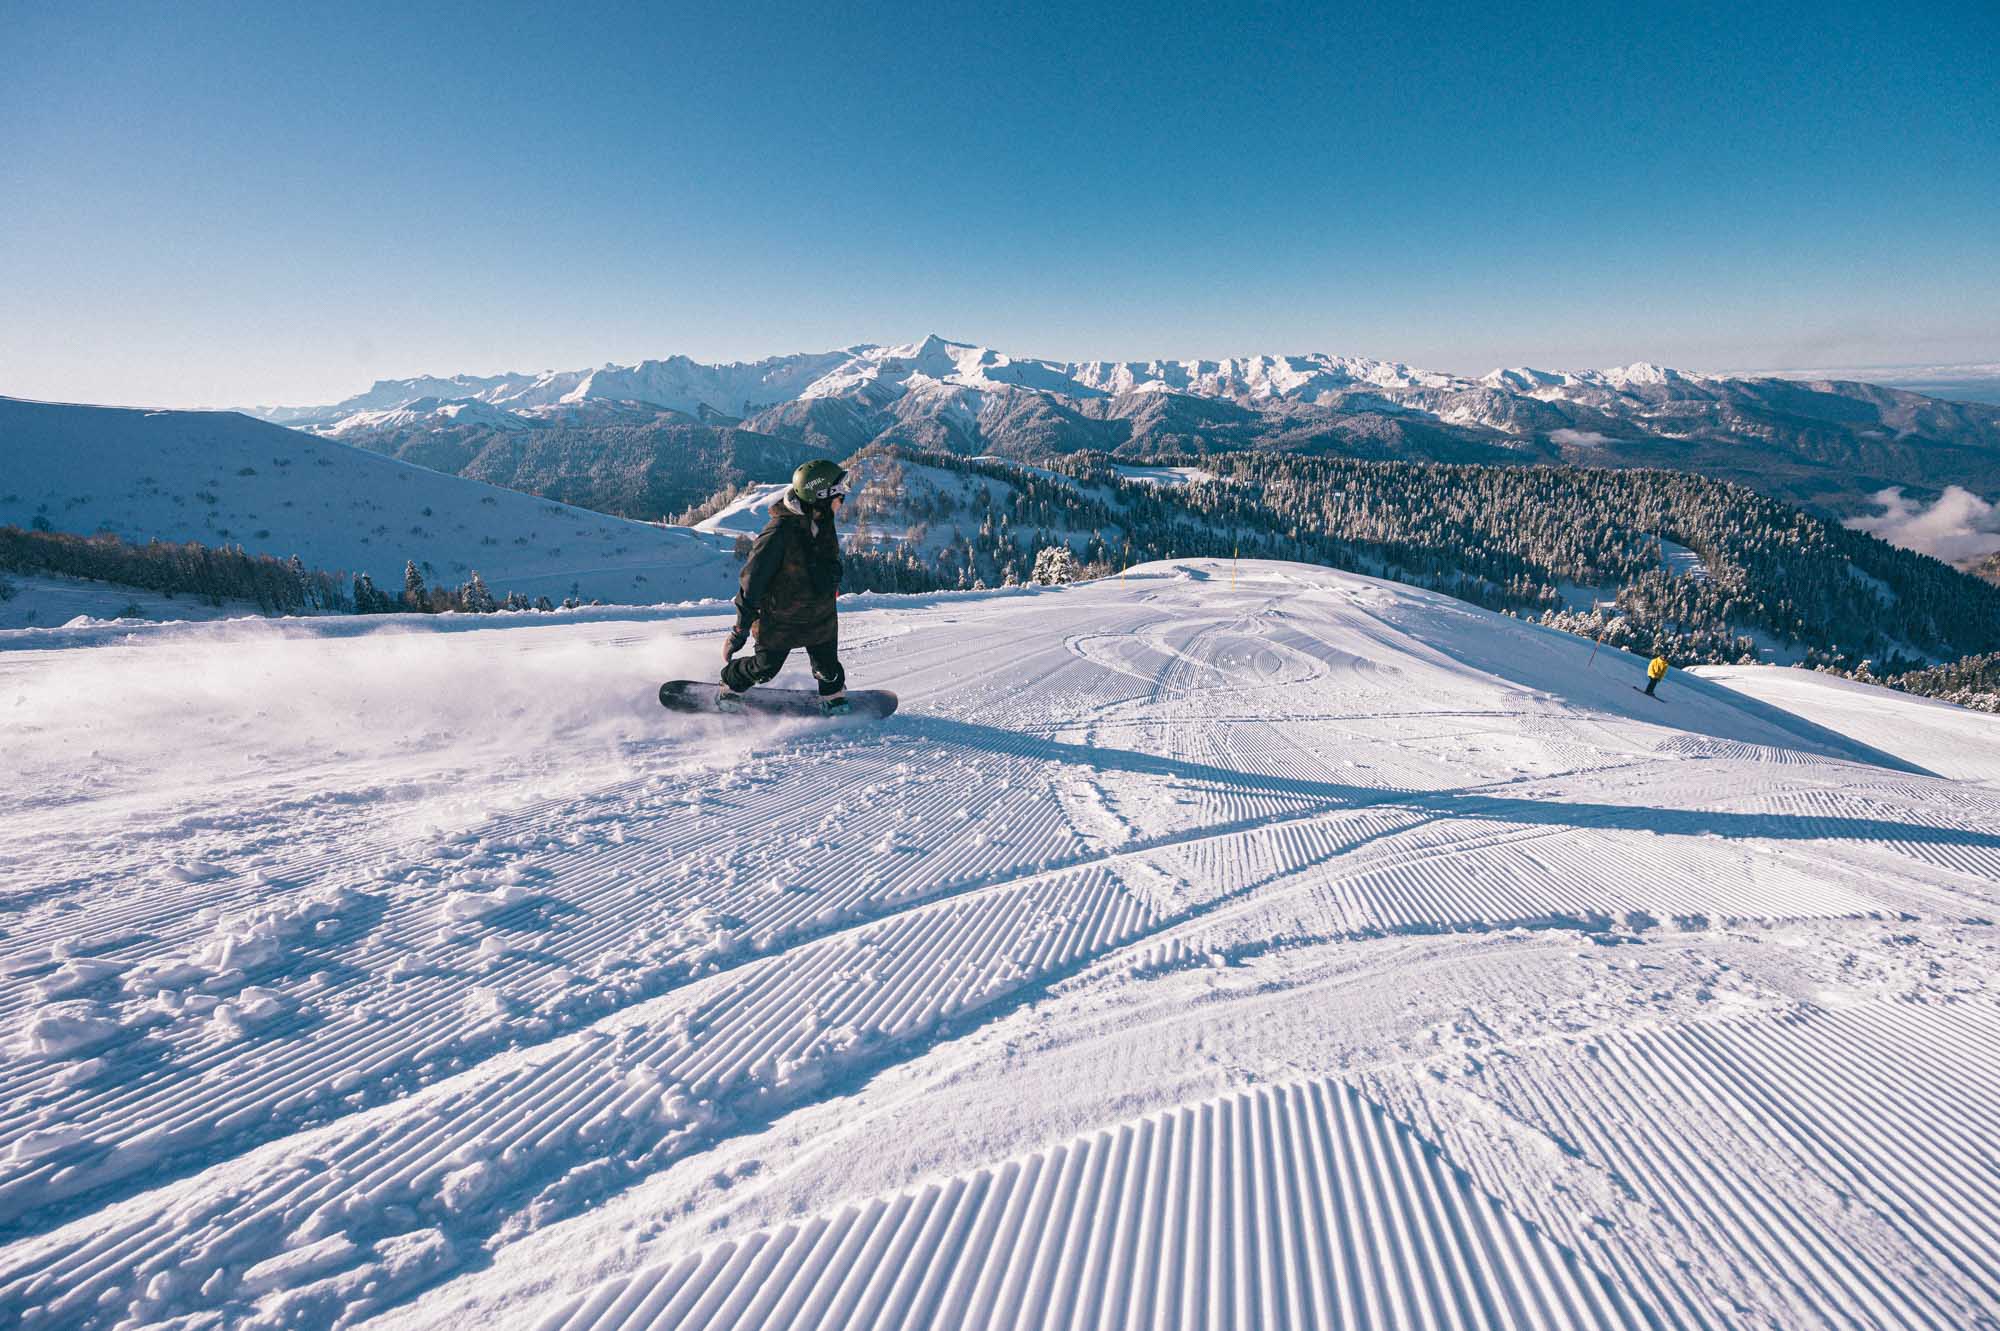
35, 1144
299, 1265
74, 976
462, 1187
248, 940
62, 1030
486, 1008
252, 1009
476, 905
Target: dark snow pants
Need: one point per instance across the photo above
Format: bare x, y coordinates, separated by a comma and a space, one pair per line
1651, 684
763, 665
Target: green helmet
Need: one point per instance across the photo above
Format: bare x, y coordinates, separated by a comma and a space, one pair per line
819, 480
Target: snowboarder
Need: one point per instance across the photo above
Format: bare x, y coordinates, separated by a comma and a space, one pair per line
1655, 672
786, 597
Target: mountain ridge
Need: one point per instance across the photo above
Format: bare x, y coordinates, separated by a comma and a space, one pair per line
855, 369
1828, 444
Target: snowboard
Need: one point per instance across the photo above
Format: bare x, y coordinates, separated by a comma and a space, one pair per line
689, 695
1654, 696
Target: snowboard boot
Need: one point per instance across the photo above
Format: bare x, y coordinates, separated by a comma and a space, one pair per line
835, 704
729, 701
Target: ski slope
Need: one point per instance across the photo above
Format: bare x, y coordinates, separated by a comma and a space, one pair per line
224, 479
1946, 739
1297, 950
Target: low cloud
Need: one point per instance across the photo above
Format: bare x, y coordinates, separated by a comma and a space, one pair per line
1580, 438
1959, 528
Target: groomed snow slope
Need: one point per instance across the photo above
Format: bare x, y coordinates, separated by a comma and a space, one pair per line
1307, 952
224, 479
1951, 741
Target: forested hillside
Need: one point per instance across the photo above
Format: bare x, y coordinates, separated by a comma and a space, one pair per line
1705, 570
649, 470
1971, 682
216, 576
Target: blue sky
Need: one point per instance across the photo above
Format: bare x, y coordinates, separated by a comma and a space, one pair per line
218, 204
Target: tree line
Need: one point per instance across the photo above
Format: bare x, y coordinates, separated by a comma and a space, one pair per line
1971, 682
220, 574
214, 574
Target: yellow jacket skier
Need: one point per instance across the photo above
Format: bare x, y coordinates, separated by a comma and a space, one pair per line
1655, 672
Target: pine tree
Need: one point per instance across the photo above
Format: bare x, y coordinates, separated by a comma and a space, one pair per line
415, 595
474, 597
1055, 564
367, 599
299, 596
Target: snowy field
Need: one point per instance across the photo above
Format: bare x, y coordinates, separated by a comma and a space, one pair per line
1163, 475
1318, 952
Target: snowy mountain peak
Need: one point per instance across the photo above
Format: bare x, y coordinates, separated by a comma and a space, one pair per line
940, 373
1644, 372
1266, 377
1523, 379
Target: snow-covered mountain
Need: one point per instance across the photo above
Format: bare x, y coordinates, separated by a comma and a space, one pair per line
1523, 379
223, 479
426, 411
879, 376
676, 383
1215, 946
1823, 444
958, 376
391, 394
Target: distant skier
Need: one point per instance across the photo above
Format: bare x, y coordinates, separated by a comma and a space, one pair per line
789, 583
1655, 672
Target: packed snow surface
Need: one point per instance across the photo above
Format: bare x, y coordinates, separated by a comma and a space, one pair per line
1951, 741
1296, 950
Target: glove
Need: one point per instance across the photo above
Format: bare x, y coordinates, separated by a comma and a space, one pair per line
737, 637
